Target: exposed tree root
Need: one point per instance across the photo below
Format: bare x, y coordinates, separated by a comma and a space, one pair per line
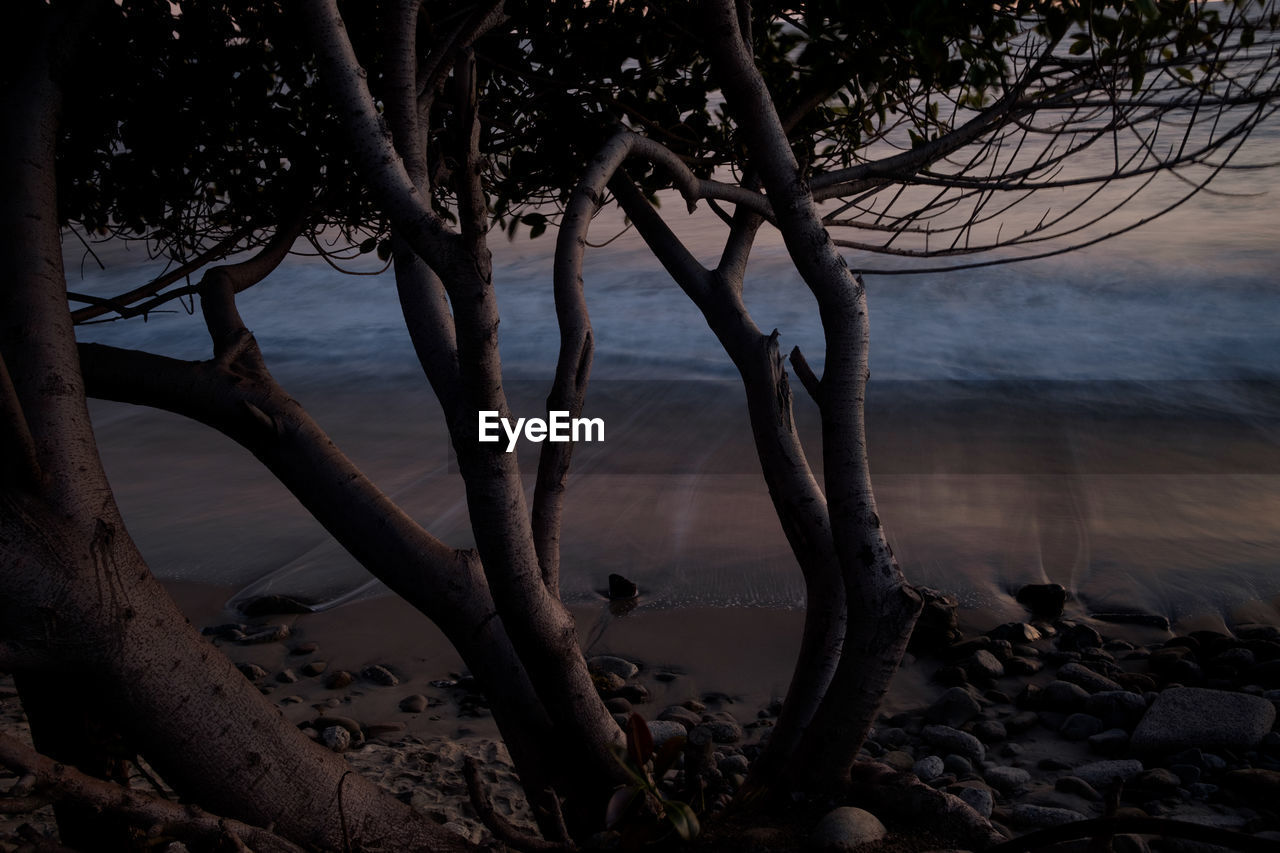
58, 783
502, 829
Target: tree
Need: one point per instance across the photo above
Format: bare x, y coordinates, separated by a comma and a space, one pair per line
967, 103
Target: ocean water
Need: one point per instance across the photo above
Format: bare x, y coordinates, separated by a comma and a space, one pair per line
1107, 419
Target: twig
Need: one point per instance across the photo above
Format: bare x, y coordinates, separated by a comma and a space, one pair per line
502, 829
806, 376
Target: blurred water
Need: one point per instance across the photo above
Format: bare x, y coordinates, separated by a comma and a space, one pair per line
1121, 399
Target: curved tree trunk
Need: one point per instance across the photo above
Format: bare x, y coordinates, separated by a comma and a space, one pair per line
77, 592
881, 607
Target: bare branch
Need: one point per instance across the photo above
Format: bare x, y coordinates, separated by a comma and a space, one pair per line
806, 375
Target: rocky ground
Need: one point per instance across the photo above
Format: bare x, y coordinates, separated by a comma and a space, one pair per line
1032, 724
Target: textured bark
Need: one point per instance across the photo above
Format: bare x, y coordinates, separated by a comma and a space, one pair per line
76, 588
881, 607
541, 628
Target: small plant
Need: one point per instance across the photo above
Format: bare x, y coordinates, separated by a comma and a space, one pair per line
641, 805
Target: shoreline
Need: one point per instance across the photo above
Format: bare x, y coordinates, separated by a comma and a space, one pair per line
1022, 722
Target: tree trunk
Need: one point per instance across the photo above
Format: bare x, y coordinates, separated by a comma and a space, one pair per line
77, 590
881, 608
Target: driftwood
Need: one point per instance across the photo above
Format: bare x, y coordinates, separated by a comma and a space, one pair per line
54, 782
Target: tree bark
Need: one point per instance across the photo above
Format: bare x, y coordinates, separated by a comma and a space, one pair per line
76, 588
881, 607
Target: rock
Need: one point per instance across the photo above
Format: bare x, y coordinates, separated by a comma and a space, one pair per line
845, 829
1110, 742
1044, 600
1156, 782
724, 728
957, 765
1015, 632
415, 703
265, 634
1255, 786
979, 799
990, 731
665, 730
899, 760
954, 707
624, 669
1100, 774
1080, 726
681, 715
1023, 721
227, 631
607, 682
636, 694
1007, 779
314, 667
251, 671
1088, 679
287, 676
954, 740
622, 589
1018, 665
336, 738
928, 768
618, 705
1118, 709
380, 675
951, 676
273, 605
1077, 637
308, 648
937, 626
1183, 717
339, 680
1063, 696
1040, 817
983, 666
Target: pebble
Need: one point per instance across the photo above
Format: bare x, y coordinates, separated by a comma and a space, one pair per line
954, 740
313, 668
1110, 742
1118, 709
415, 703
308, 648
1182, 717
624, 669
251, 671
287, 676
957, 765
681, 715
1102, 773
983, 666
928, 768
955, 707
339, 680
1044, 600
665, 730
1039, 817
1080, 726
724, 728
380, 675
979, 799
1064, 696
846, 829
1088, 679
336, 738
990, 731
1007, 779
